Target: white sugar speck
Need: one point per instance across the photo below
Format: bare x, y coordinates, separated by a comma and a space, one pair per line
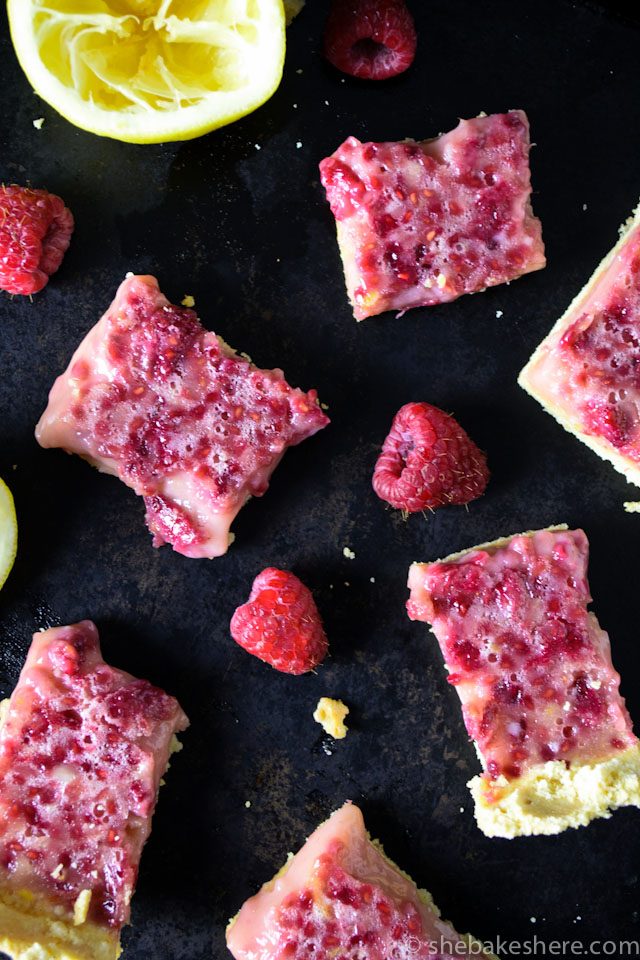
499, 314
298, 144
533, 919
372, 579
461, 809
257, 146
247, 803
584, 206
38, 123
295, 106
299, 71
348, 553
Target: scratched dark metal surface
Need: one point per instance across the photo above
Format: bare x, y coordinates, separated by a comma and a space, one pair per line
247, 232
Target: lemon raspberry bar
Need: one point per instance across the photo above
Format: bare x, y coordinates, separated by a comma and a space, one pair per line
533, 670
340, 896
421, 223
177, 415
585, 373
83, 747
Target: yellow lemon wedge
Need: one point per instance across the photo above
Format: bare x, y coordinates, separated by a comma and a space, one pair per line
8, 532
148, 71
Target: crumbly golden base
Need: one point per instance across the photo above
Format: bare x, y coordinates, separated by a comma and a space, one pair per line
552, 797
31, 929
565, 417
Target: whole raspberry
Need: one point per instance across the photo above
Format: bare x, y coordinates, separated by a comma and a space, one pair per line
428, 461
35, 230
372, 39
280, 623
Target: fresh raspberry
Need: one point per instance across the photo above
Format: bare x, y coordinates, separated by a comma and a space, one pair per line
428, 461
280, 623
372, 39
35, 231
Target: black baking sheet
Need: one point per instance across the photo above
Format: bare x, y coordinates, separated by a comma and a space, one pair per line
247, 232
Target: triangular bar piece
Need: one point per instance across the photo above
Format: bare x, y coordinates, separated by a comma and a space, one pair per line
341, 896
585, 372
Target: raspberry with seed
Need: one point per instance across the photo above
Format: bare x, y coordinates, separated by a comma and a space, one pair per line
428, 461
35, 231
371, 39
280, 623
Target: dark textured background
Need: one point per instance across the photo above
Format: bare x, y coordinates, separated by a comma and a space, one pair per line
248, 233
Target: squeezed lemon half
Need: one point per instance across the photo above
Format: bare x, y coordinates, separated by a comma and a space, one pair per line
147, 71
8, 532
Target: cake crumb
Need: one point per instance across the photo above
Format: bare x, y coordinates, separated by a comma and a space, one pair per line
499, 314
188, 301
348, 553
81, 907
330, 715
38, 123
632, 506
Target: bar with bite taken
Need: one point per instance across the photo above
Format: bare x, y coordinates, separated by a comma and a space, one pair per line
532, 667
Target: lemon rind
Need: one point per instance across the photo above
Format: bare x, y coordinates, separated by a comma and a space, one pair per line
185, 123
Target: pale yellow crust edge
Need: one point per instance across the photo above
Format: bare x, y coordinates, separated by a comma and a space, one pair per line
603, 449
491, 545
552, 797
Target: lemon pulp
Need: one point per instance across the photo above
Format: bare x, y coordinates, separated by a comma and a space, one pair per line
8, 532
150, 70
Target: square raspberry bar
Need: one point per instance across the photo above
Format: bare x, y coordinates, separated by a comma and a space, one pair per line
177, 415
421, 223
340, 896
533, 670
585, 373
83, 747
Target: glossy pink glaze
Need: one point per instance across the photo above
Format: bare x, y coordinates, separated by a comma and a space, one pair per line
423, 223
340, 897
531, 665
592, 369
82, 750
170, 409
